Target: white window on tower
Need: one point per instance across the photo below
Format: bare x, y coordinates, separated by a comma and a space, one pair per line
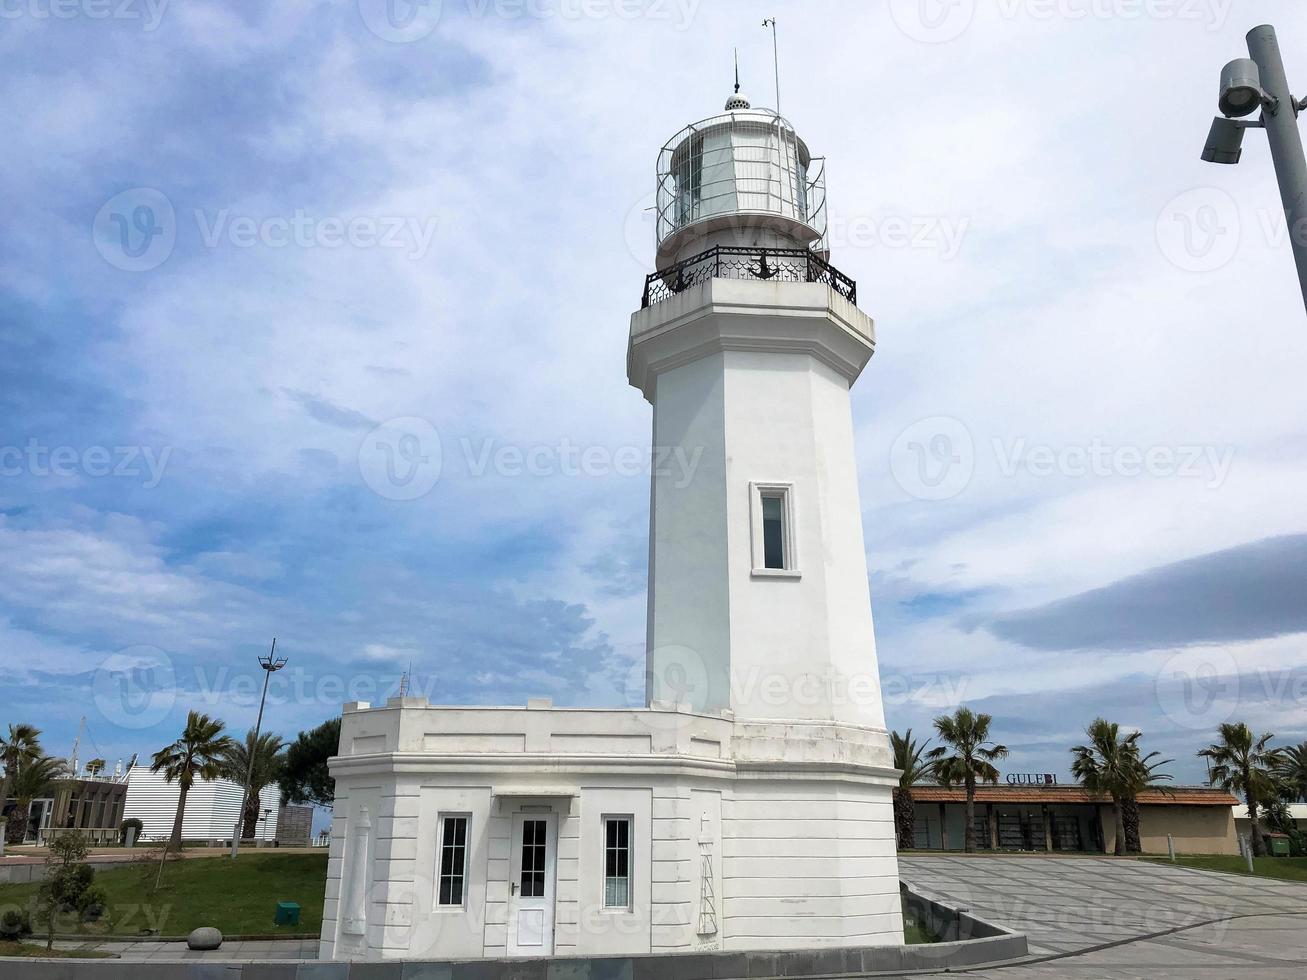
617, 862
772, 519
452, 883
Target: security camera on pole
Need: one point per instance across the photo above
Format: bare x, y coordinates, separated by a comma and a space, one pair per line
1259, 82
270, 664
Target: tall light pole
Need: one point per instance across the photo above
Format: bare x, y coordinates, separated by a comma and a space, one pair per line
270, 664
1248, 84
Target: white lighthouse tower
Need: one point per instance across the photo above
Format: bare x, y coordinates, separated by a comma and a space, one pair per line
747, 805
746, 346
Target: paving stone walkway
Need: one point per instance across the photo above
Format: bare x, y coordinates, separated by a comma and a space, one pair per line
1230, 925
253, 949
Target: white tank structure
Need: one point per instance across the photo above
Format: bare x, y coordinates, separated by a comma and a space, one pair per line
742, 801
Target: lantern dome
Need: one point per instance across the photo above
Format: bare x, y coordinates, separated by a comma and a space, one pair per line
743, 177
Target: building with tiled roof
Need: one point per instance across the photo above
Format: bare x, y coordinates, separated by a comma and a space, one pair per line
1040, 814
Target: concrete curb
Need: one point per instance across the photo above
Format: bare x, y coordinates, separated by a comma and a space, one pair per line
975, 943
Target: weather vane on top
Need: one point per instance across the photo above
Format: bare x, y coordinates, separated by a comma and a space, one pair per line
771, 22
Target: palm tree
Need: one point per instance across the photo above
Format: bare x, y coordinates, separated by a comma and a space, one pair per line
1112, 766
972, 759
1146, 777
909, 759
22, 745
1292, 770
268, 760
1243, 764
33, 781
1276, 816
199, 752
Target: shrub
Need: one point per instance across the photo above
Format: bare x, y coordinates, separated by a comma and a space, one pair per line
127, 824
72, 886
92, 903
15, 923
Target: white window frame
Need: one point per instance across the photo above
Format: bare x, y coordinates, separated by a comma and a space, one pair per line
630, 863
789, 538
440, 859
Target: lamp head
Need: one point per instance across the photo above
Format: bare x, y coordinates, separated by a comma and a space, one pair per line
1224, 141
1241, 88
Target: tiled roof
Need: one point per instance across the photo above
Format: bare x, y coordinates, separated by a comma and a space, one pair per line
1179, 796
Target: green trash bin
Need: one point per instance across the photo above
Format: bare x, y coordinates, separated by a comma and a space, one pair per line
288, 914
1279, 845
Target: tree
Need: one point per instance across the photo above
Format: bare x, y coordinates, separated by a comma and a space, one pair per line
1243, 764
1112, 766
34, 780
973, 759
909, 759
95, 767
199, 752
1276, 816
304, 776
1147, 777
22, 745
268, 759
68, 881
1291, 771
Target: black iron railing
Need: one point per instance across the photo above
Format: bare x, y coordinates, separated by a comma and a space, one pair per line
731, 262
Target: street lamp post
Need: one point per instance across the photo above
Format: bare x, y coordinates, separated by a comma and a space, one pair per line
1248, 84
270, 664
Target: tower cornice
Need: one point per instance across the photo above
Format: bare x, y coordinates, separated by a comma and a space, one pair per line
745, 315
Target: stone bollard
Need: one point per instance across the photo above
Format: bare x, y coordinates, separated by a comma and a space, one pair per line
1170, 847
204, 937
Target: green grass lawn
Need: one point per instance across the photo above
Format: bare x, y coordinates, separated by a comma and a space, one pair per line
238, 897
914, 933
1288, 869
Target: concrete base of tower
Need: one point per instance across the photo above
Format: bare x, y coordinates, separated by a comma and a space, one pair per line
491, 832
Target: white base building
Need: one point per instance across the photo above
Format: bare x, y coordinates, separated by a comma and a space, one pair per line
469, 832
748, 806
211, 807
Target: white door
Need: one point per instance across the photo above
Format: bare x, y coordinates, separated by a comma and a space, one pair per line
531, 885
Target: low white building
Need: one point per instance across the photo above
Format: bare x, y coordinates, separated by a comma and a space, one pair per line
211, 807
1243, 826
747, 804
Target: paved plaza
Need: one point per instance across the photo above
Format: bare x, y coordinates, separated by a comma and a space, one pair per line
1202, 924
1091, 918
253, 949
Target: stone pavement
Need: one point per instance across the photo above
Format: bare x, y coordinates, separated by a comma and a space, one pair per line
253, 949
1229, 925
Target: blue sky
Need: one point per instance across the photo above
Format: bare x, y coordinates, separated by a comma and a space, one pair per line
1080, 442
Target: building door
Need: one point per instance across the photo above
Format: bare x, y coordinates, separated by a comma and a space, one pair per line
38, 820
531, 885
1066, 833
